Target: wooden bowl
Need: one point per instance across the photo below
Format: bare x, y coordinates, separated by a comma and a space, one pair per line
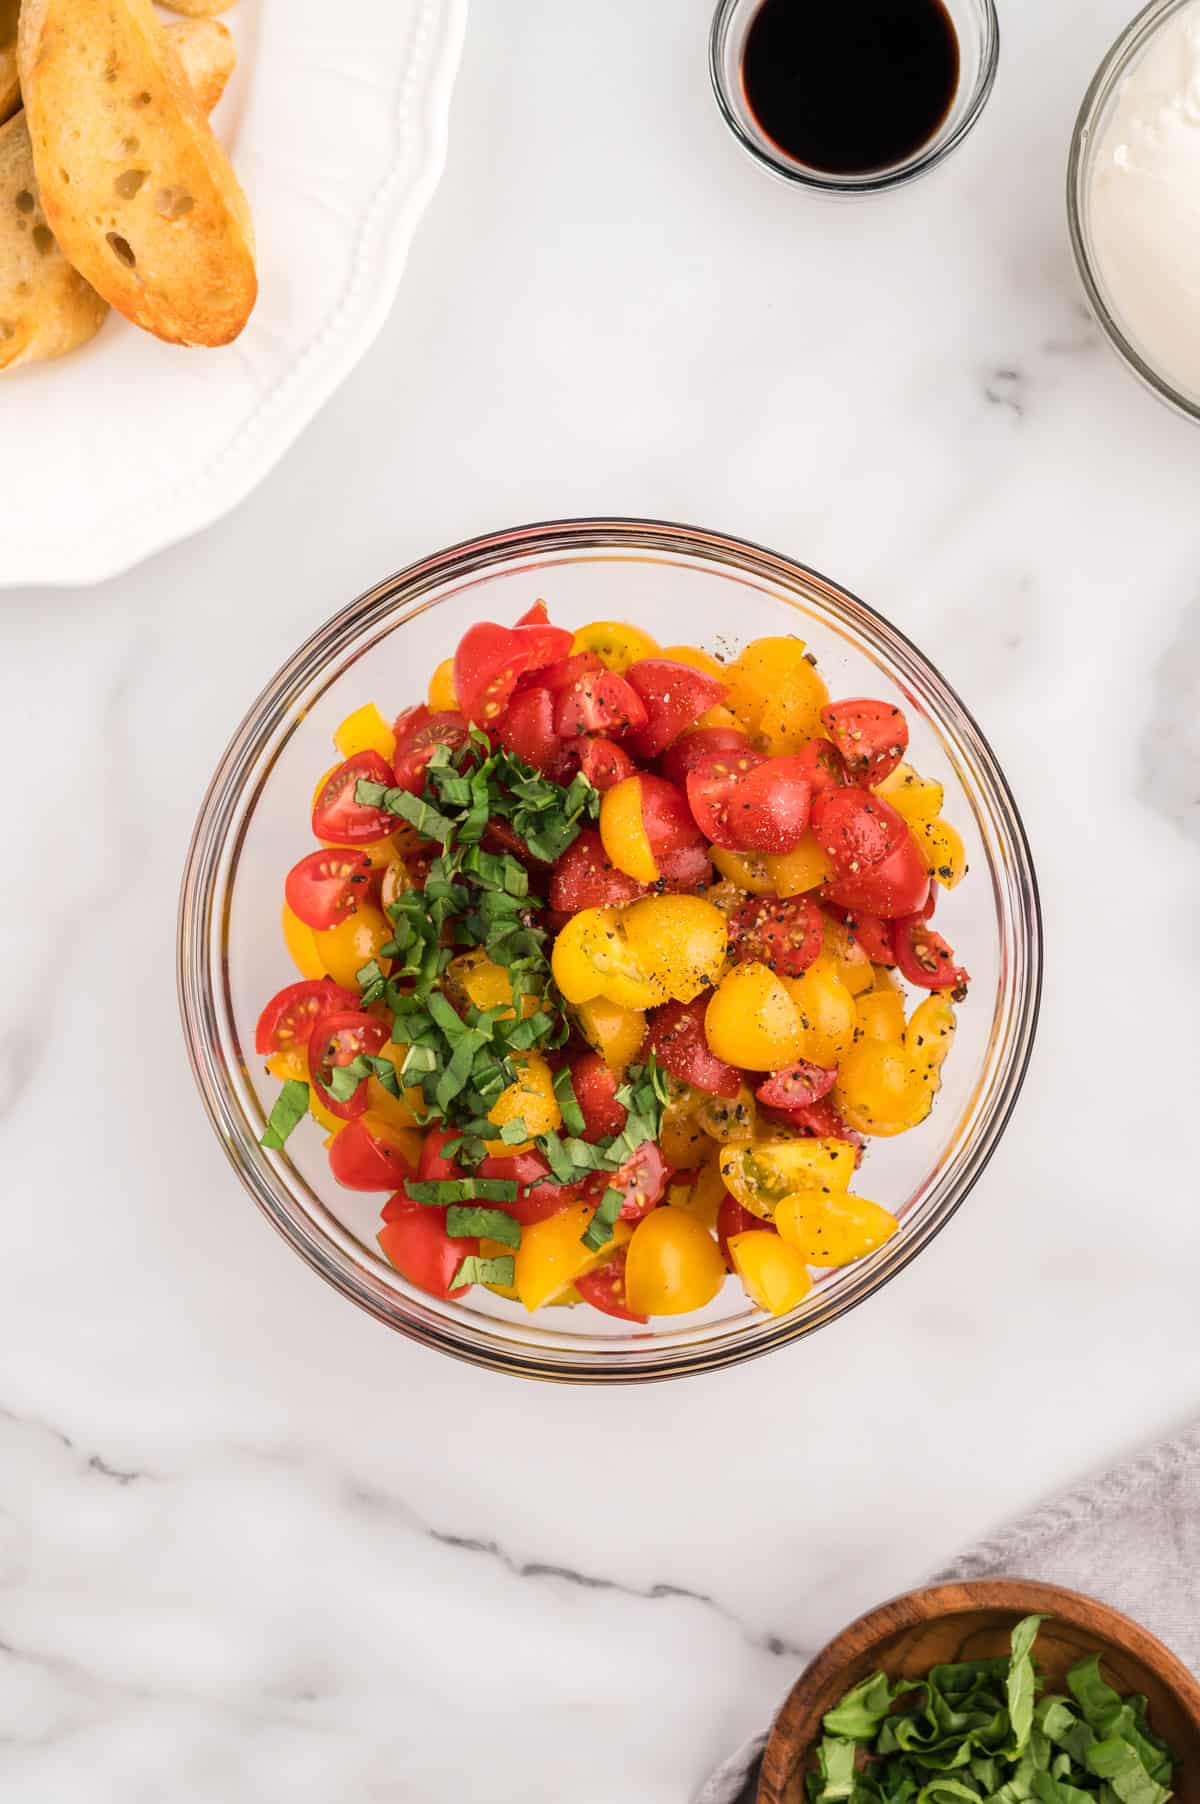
971, 1622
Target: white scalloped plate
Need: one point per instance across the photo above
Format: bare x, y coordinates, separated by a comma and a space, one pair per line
336, 120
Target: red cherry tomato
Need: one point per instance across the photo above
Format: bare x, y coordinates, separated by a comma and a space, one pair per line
750, 803
784, 935
417, 733
674, 696
527, 729
923, 956
856, 829
603, 763
595, 1089
565, 672
585, 877
797, 1086
689, 751
338, 1039
289, 1017
604, 1288
491, 659
677, 1040
362, 1160
872, 932
597, 701
537, 615
643, 1178
413, 1238
326, 886
733, 1219
337, 816
677, 845
872, 737
538, 1197
822, 1120
898, 885
433, 1167
822, 765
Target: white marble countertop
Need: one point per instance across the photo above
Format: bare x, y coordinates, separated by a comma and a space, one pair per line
251, 1547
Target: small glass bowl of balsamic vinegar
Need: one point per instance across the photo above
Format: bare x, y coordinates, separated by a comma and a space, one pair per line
852, 96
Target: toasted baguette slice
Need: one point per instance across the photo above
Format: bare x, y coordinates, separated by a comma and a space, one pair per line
135, 187
198, 9
10, 83
46, 307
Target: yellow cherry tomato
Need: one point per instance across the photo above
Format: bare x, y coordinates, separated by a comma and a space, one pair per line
333, 1124
757, 674
916, 797
701, 1193
592, 957
530, 1099
302, 945
365, 731
552, 1254
673, 1264
760, 1173
843, 953
720, 716
346, 948
752, 1021
615, 643
682, 1142
623, 831
745, 870
774, 1274
880, 1015
615, 1033
729, 1117
833, 1230
290, 1065
792, 715
443, 697
826, 1011
886, 979
398, 1111
877, 1092
944, 851
803, 868
678, 941
479, 980
930, 1032
695, 659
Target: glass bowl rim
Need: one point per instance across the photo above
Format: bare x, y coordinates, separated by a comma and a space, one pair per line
880, 181
1114, 65
224, 799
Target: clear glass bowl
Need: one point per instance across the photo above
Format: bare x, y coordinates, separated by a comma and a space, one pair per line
684, 584
978, 31
1089, 132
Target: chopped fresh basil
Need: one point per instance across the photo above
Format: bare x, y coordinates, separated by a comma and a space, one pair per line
464, 1223
474, 1270
599, 1230
462, 1190
564, 1090
290, 1108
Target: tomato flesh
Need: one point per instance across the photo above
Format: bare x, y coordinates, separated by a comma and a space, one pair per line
290, 1016
786, 936
597, 701
674, 697
923, 957
338, 1039
585, 877
491, 659
797, 1086
337, 815
361, 1160
676, 843
527, 730
822, 765
325, 887
604, 1289
733, 1219
872, 932
603, 762
538, 1196
417, 736
595, 1087
748, 803
413, 1238
677, 1040
642, 1180
871, 736
693, 748
898, 885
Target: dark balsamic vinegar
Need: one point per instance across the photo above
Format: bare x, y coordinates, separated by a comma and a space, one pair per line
850, 86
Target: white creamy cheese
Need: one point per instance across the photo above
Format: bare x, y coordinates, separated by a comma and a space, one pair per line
1143, 203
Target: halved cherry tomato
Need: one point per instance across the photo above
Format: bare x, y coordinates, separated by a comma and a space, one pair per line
642, 1180
872, 932
797, 1086
773, 1273
603, 762
585, 877
674, 1265
597, 701
733, 1219
604, 1288
537, 615
677, 1040
615, 643
490, 659
337, 816
856, 829
289, 1018
538, 1197
413, 1238
368, 1156
417, 733
674, 697
822, 765
595, 1087
338, 1039
751, 803
676, 843
324, 888
924, 957
821, 1119
871, 736
786, 936
693, 748
898, 885
526, 729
